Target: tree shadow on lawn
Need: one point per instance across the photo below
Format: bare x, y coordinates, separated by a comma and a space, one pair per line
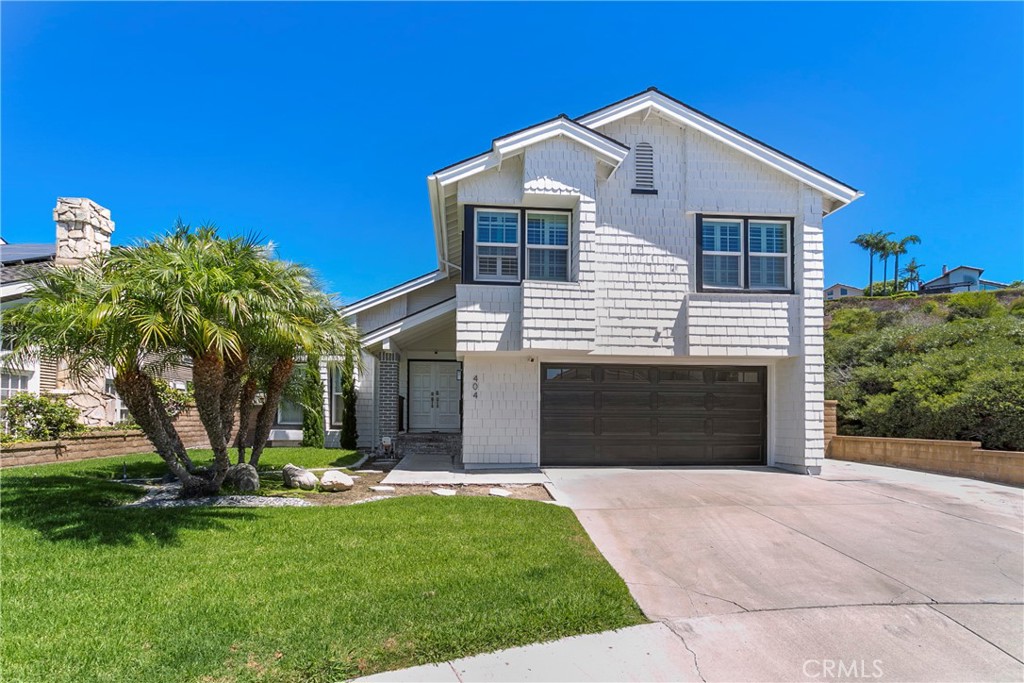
79, 507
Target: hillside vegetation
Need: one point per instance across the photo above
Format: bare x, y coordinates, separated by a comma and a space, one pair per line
933, 367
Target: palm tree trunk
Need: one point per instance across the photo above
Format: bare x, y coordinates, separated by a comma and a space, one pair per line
208, 377
885, 273
234, 370
280, 373
249, 390
871, 272
139, 393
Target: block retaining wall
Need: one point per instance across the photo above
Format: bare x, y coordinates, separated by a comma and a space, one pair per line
101, 444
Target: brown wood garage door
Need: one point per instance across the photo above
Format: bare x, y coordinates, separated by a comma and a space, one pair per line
652, 415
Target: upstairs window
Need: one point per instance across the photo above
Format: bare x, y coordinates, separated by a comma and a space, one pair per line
547, 246
745, 253
497, 245
643, 167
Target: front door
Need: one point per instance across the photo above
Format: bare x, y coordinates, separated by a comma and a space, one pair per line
434, 396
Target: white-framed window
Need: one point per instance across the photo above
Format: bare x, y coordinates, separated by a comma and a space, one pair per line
289, 412
769, 254
722, 246
337, 386
12, 383
121, 413
547, 245
496, 239
743, 253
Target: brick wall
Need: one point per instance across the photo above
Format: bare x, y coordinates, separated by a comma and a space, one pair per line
387, 394
831, 422
956, 458
101, 444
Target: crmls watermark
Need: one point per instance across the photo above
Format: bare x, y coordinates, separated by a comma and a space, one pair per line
842, 668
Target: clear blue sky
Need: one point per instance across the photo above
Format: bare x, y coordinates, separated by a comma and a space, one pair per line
317, 124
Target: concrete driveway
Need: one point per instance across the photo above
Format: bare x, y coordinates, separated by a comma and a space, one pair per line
862, 573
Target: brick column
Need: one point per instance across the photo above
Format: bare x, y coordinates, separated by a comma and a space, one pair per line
387, 394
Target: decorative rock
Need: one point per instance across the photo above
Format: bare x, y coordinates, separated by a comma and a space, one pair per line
243, 478
298, 478
443, 492
335, 480
501, 493
381, 489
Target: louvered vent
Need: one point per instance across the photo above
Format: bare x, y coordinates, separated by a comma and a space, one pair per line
644, 166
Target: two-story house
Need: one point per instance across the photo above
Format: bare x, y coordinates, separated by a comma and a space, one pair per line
641, 285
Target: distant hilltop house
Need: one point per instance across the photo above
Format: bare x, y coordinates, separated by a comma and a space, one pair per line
839, 290
960, 279
83, 229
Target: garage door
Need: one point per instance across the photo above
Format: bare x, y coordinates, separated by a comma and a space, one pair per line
652, 415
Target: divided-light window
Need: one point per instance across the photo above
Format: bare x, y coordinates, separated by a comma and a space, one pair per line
745, 253
499, 237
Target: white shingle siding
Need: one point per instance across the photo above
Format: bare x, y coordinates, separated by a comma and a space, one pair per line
366, 414
502, 186
488, 318
757, 325
501, 421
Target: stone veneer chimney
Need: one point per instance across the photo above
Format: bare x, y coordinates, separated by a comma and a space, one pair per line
83, 229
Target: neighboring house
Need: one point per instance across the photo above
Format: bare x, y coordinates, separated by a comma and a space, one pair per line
960, 279
839, 290
641, 285
83, 229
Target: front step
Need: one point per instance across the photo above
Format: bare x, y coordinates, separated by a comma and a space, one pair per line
429, 443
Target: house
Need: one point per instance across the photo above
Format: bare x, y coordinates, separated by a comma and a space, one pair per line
640, 285
960, 279
839, 290
83, 228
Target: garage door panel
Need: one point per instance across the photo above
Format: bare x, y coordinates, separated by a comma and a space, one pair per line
651, 415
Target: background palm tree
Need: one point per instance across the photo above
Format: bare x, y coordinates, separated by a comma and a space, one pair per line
913, 273
899, 248
866, 241
883, 247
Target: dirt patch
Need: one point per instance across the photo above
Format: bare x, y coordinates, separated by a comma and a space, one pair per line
362, 492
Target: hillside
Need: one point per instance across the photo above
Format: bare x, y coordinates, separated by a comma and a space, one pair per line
947, 366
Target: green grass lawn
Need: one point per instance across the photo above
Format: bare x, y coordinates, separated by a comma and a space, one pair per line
92, 592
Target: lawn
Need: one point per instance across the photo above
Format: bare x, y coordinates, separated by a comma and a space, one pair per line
91, 592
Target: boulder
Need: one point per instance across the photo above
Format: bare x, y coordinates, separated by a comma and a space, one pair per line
298, 478
443, 492
242, 477
335, 480
501, 493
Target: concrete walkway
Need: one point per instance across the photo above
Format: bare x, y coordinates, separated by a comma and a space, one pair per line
434, 470
759, 575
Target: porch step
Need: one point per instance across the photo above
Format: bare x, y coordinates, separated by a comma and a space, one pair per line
429, 443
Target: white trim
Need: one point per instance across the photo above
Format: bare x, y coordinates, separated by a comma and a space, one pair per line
689, 117
411, 321
567, 247
393, 293
609, 151
785, 256
14, 289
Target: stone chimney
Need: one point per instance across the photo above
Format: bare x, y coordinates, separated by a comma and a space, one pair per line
83, 229
944, 269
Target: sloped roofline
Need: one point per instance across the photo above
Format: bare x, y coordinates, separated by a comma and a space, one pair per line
843, 284
980, 271
394, 292
687, 115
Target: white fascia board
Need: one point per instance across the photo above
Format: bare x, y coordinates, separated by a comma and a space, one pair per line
14, 289
393, 293
607, 150
435, 191
426, 315
689, 117
610, 152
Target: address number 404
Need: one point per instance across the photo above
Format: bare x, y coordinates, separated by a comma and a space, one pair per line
476, 386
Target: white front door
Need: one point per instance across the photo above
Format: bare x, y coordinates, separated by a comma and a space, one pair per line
434, 396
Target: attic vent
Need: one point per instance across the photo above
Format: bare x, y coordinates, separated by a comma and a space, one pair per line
644, 169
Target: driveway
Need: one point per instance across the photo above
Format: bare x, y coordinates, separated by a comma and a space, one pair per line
863, 572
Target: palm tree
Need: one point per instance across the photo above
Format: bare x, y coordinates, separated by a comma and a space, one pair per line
883, 247
866, 241
900, 247
223, 304
913, 273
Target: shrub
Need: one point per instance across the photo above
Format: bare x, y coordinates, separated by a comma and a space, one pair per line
349, 434
853, 321
312, 405
174, 400
1017, 306
27, 417
973, 305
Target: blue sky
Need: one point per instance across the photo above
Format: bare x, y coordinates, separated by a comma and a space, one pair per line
317, 124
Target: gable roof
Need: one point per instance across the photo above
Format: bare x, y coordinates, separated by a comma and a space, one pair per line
952, 270
26, 253
394, 292
685, 114
843, 284
607, 149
